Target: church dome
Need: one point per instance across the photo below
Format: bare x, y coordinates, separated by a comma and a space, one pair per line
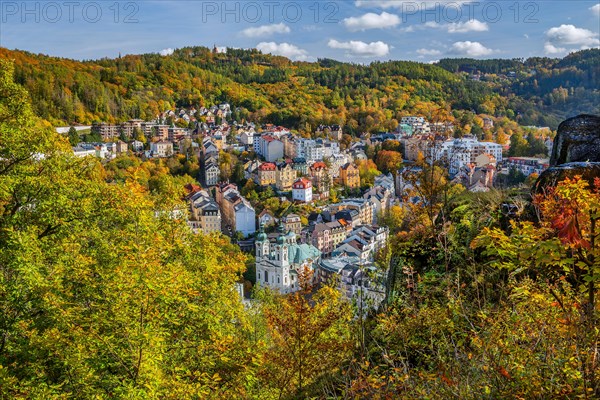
261, 237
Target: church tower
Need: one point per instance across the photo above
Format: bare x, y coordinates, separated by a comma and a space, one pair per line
262, 245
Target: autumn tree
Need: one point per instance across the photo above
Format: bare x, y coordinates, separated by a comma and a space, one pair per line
309, 337
388, 161
367, 171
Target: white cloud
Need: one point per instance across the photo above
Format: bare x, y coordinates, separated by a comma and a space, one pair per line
428, 52
361, 49
371, 21
410, 6
549, 48
470, 49
283, 49
569, 35
266, 30
472, 25
596, 9
166, 52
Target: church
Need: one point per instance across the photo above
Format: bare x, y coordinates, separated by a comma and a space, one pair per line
278, 261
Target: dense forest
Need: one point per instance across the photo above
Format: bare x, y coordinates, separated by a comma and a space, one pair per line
106, 293
302, 95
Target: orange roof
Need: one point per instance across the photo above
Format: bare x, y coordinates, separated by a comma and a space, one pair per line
319, 164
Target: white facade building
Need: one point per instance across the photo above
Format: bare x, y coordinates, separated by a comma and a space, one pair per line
459, 152
302, 190
316, 150
245, 218
161, 149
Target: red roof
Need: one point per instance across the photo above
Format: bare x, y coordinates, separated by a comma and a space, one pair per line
319, 164
302, 183
267, 167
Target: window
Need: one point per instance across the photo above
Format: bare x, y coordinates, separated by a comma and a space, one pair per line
266, 276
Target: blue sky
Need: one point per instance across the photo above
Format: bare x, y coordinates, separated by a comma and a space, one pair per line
347, 30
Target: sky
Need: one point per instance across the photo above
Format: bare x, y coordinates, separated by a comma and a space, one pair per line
358, 31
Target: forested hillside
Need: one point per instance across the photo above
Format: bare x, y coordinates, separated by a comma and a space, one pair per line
544, 91
302, 95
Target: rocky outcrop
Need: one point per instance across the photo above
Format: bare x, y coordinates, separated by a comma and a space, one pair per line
553, 175
577, 140
576, 151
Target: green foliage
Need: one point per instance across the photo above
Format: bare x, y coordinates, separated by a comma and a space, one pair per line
73, 136
104, 290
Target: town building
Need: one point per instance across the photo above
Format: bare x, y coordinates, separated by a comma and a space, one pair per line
266, 218
334, 132
364, 207
527, 165
270, 148
121, 147
419, 125
326, 236
456, 153
285, 176
161, 149
205, 215
279, 262
350, 176
313, 150
293, 223
247, 138
289, 146
302, 190
359, 281
363, 242
300, 166
211, 172
99, 150
381, 198
238, 214
321, 179
267, 174
386, 181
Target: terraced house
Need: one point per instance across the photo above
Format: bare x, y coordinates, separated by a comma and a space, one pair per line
205, 215
284, 177
267, 174
321, 179
349, 176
